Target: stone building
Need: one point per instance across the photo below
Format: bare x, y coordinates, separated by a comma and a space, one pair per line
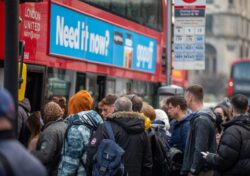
227, 39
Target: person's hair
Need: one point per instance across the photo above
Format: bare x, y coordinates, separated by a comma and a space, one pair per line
196, 91
178, 100
225, 111
136, 102
108, 100
62, 102
34, 123
239, 103
123, 104
148, 111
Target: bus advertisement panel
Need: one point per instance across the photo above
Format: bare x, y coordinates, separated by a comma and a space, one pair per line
80, 38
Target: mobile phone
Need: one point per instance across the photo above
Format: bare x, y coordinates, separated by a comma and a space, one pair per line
203, 153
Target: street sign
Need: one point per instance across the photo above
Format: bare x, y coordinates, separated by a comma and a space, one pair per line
189, 35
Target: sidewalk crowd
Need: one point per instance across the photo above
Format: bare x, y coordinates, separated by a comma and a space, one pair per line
126, 136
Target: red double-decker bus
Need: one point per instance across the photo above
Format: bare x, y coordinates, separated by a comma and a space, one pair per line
239, 81
108, 46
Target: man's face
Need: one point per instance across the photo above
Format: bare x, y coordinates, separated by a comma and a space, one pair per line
107, 110
173, 111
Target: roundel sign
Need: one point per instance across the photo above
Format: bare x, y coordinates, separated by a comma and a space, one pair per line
189, 1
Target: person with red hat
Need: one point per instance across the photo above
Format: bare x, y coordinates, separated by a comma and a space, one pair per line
14, 159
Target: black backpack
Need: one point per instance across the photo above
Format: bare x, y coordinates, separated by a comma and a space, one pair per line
159, 154
175, 159
108, 160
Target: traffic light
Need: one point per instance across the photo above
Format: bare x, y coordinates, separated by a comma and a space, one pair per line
22, 1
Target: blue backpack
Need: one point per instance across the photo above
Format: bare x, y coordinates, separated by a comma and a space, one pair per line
108, 160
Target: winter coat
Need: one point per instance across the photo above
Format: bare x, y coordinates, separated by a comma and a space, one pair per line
50, 144
233, 156
23, 114
179, 132
75, 144
129, 132
20, 160
201, 138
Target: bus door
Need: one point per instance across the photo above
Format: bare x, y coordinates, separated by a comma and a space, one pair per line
35, 86
101, 83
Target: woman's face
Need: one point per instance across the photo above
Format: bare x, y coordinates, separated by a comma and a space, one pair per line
219, 111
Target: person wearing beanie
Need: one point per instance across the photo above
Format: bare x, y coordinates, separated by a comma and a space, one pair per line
82, 121
14, 159
52, 137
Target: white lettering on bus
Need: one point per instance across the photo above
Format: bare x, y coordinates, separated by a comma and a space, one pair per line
33, 14
145, 55
67, 36
99, 44
77, 37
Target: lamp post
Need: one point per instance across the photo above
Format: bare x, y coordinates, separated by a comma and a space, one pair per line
169, 43
11, 51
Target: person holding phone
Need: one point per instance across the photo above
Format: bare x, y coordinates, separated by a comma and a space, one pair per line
233, 156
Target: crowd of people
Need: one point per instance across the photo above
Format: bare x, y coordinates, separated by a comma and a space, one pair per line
126, 136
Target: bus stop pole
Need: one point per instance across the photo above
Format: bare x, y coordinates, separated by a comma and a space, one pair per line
11, 52
169, 43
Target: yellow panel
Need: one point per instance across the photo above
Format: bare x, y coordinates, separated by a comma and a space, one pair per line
22, 88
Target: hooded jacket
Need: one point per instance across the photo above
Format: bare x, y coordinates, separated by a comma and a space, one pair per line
201, 138
129, 132
76, 141
233, 156
23, 114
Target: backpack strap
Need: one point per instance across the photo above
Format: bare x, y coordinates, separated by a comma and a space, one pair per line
109, 130
6, 165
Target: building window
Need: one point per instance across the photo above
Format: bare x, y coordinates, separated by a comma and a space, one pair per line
209, 23
231, 2
211, 61
210, 1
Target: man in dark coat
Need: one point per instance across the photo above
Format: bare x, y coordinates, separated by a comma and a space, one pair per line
201, 135
14, 159
233, 156
128, 128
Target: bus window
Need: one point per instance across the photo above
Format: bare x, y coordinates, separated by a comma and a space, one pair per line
133, 10
239, 82
152, 14
118, 7
242, 71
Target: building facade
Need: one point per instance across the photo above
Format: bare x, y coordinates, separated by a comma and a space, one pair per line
227, 39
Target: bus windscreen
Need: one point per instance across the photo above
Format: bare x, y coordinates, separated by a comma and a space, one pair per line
242, 71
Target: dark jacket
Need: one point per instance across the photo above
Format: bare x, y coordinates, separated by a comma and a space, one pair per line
233, 154
179, 132
201, 138
23, 132
128, 128
50, 144
20, 160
